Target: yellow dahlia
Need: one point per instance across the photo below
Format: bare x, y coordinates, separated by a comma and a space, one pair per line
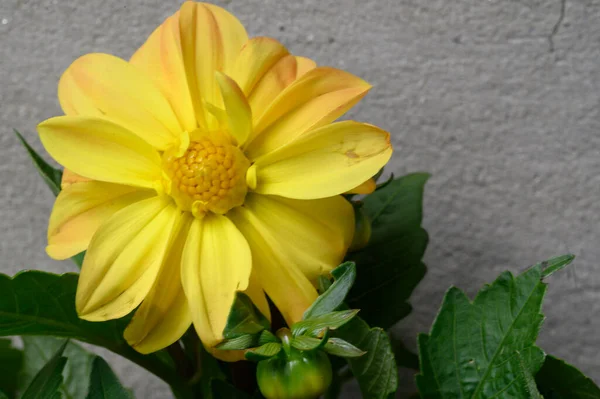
207, 164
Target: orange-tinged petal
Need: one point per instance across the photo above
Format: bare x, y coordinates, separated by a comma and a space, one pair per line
315, 234
105, 85
79, 211
211, 39
256, 293
323, 163
99, 149
366, 187
318, 98
280, 76
161, 59
69, 177
239, 116
304, 65
256, 58
164, 315
124, 258
279, 274
216, 263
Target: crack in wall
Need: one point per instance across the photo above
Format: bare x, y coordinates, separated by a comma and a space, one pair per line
556, 27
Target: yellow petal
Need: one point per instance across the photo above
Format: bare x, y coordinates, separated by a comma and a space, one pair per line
164, 316
216, 263
69, 177
325, 162
105, 85
161, 59
124, 258
319, 97
304, 65
314, 234
99, 149
239, 116
280, 76
278, 273
256, 58
366, 187
256, 293
211, 39
79, 211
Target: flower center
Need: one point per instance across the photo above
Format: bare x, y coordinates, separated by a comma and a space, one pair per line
209, 177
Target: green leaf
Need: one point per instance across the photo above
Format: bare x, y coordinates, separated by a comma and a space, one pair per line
39, 303
51, 176
244, 318
404, 357
376, 371
316, 326
481, 348
104, 384
305, 343
11, 361
239, 343
46, 383
267, 336
222, 389
331, 299
558, 379
3, 395
37, 352
553, 265
339, 347
390, 267
264, 352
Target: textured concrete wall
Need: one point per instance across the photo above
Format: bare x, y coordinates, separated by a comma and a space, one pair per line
498, 99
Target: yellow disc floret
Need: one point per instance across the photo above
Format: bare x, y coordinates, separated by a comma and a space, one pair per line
210, 176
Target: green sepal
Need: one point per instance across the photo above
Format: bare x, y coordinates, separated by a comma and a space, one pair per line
239, 343
264, 352
317, 326
244, 318
334, 296
265, 337
51, 176
304, 343
47, 382
341, 348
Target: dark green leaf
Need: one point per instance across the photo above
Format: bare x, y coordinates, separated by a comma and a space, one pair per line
222, 389
553, 265
265, 337
51, 176
316, 326
376, 371
238, 343
331, 299
390, 267
264, 352
3, 395
558, 379
339, 347
39, 349
397, 208
11, 361
244, 318
305, 343
104, 384
46, 383
481, 349
39, 303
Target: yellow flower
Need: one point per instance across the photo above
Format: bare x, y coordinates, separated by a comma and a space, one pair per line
207, 164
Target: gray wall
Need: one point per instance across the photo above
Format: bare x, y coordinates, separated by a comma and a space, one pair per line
498, 99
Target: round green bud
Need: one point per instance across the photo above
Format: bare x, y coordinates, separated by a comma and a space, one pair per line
297, 375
